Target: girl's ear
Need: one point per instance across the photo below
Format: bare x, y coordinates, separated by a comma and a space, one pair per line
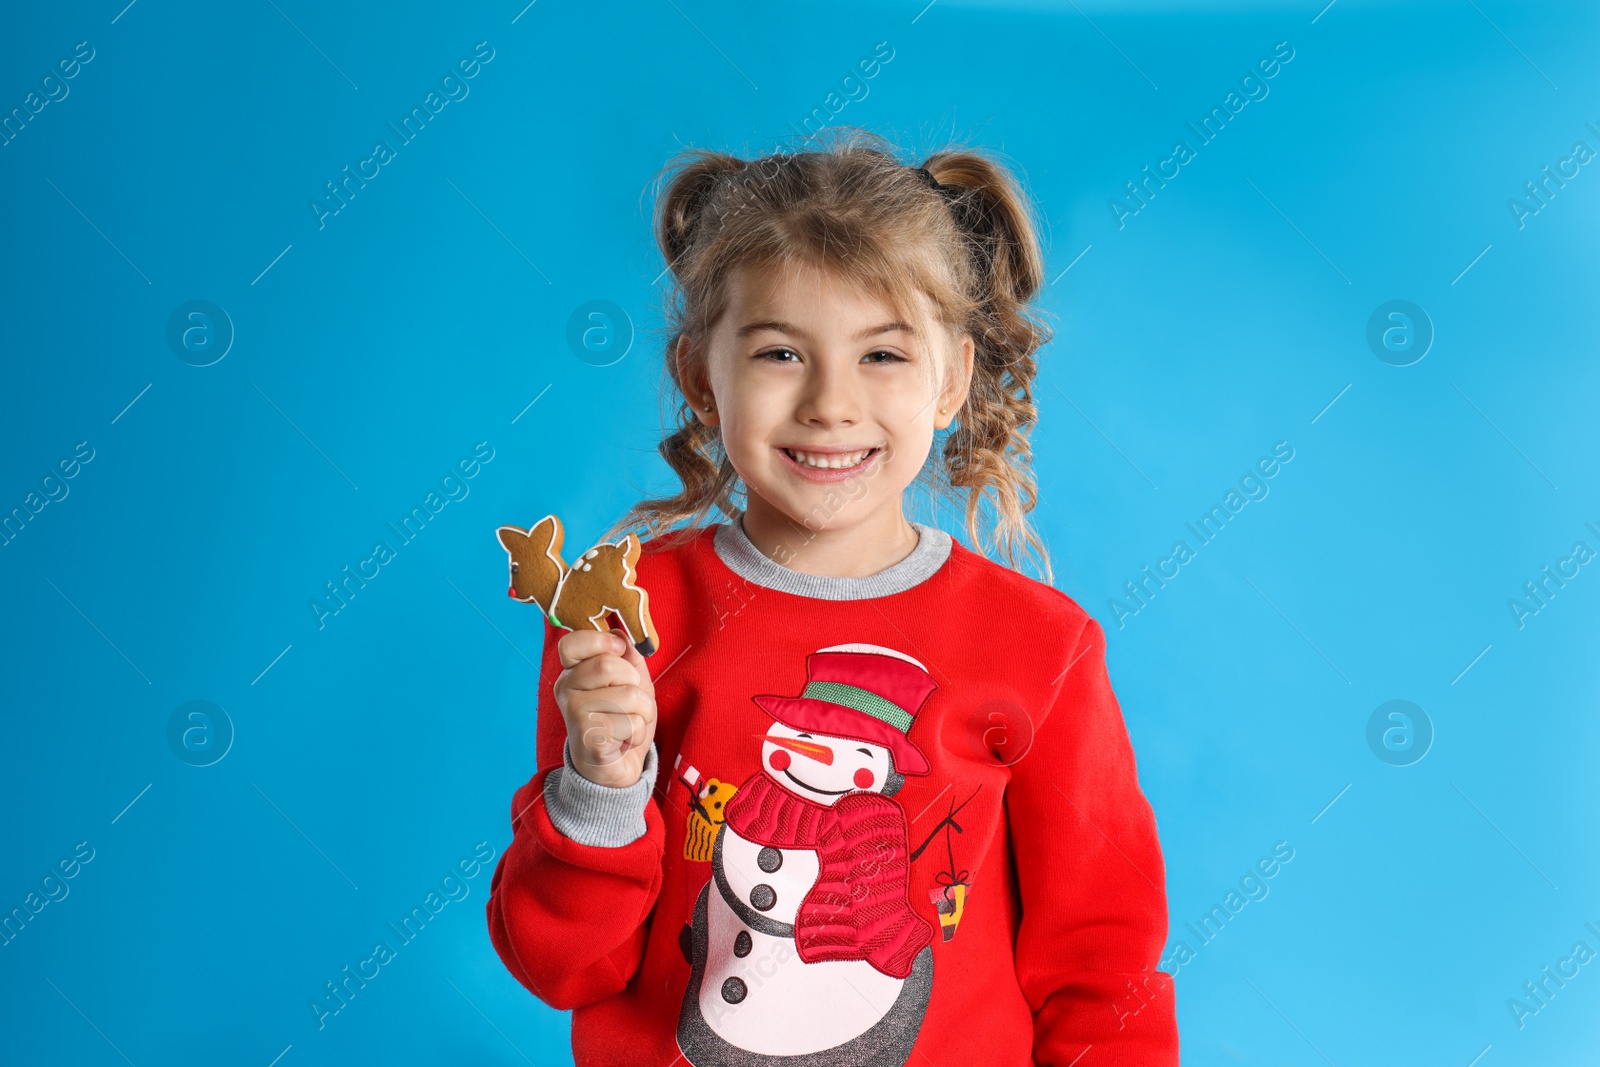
956, 387
696, 386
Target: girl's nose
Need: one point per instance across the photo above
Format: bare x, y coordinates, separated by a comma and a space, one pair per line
830, 399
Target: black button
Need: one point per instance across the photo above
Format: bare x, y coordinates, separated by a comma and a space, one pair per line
741, 944
733, 990
769, 859
763, 897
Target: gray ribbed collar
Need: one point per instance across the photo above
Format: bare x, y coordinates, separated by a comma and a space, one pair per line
733, 547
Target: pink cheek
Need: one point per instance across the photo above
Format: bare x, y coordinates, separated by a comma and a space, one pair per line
779, 760
864, 779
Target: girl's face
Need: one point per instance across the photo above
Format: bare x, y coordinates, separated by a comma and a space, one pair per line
827, 400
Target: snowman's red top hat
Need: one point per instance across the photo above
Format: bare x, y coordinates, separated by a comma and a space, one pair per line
870, 696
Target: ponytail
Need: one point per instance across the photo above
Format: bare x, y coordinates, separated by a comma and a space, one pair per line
988, 449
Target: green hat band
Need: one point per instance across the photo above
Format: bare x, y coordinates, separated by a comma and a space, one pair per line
862, 700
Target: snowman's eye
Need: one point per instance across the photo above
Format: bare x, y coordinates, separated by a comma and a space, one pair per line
802, 735
864, 751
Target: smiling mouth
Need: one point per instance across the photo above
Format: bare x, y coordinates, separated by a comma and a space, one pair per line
814, 789
831, 461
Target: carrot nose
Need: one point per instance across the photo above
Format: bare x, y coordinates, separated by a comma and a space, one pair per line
820, 753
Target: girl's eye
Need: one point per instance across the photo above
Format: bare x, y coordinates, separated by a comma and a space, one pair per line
789, 355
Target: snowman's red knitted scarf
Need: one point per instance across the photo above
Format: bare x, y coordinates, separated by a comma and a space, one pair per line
858, 909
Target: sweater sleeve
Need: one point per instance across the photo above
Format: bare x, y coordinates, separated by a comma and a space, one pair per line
571, 898
1092, 882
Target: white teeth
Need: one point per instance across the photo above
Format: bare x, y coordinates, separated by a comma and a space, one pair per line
828, 460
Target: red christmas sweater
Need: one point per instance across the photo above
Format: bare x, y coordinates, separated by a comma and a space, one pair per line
880, 816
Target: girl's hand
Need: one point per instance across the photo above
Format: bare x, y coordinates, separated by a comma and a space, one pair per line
609, 703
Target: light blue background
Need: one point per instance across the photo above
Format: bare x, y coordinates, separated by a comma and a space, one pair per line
1225, 316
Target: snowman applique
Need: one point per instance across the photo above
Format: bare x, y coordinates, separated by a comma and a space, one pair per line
804, 948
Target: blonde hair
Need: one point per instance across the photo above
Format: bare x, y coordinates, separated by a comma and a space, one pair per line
965, 239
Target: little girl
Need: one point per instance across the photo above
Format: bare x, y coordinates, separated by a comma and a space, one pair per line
873, 794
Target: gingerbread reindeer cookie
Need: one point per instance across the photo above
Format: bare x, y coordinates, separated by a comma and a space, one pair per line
601, 582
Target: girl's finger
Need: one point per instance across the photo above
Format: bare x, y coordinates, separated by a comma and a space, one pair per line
579, 645
600, 672
604, 735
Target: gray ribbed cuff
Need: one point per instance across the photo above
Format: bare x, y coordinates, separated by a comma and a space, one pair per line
593, 814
